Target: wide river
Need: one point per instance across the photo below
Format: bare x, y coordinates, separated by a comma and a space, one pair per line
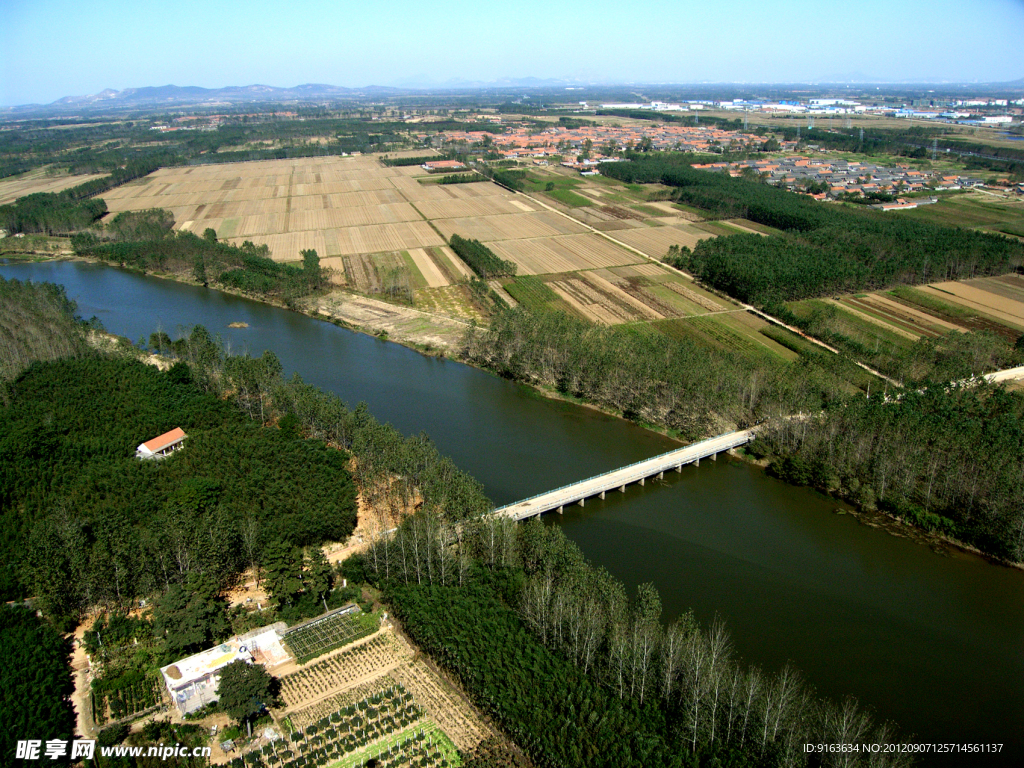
932, 642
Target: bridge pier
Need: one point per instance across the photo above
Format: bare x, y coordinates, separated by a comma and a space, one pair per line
622, 489
697, 462
679, 468
642, 479
714, 457
602, 494
580, 502
559, 510
661, 475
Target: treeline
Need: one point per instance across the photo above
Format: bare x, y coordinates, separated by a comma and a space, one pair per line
146, 241
648, 377
578, 674
825, 248
400, 162
461, 178
50, 213
133, 169
511, 179
71, 210
482, 259
725, 123
945, 458
37, 322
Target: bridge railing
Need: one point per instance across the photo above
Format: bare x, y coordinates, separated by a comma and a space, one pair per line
617, 469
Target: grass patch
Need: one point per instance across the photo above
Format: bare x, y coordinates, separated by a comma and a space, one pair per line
570, 198
409, 744
418, 280
711, 333
647, 210
719, 228
943, 308
837, 365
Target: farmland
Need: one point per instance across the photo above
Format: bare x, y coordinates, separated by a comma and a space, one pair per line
39, 181
883, 329
374, 697
977, 210
585, 246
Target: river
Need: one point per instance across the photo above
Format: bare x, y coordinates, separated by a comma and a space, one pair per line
932, 642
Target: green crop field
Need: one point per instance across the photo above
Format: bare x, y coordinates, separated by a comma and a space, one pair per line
973, 211
710, 332
570, 198
323, 635
534, 294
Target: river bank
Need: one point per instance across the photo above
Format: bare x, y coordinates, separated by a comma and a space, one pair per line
381, 325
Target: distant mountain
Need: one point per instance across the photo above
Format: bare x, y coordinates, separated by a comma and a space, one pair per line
176, 95
180, 96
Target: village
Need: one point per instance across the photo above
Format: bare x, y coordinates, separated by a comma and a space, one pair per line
828, 179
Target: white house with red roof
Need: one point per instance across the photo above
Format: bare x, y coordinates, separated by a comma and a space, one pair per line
162, 446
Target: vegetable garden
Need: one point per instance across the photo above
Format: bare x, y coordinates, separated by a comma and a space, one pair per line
122, 697
323, 635
354, 729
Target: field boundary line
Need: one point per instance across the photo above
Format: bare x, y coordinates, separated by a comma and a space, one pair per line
369, 678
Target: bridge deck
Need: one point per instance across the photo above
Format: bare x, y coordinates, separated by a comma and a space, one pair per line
620, 478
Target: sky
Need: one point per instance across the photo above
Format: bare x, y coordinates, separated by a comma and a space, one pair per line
55, 48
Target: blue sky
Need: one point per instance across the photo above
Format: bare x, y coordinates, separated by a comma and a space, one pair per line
55, 48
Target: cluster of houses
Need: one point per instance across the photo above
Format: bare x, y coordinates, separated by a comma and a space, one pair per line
521, 143
843, 176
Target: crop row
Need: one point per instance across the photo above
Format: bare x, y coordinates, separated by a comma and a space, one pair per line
347, 730
336, 671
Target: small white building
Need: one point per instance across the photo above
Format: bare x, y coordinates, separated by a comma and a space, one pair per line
162, 446
193, 682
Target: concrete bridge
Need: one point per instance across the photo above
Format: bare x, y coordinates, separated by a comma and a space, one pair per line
618, 479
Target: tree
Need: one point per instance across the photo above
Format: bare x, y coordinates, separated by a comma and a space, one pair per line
320, 576
210, 235
283, 569
245, 690
190, 617
311, 268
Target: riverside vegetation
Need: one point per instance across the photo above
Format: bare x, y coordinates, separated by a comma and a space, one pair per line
962, 477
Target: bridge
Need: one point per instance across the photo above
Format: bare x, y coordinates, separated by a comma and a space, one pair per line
618, 479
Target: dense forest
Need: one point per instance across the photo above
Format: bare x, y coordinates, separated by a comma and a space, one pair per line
50, 213
37, 322
86, 523
578, 674
36, 690
824, 249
